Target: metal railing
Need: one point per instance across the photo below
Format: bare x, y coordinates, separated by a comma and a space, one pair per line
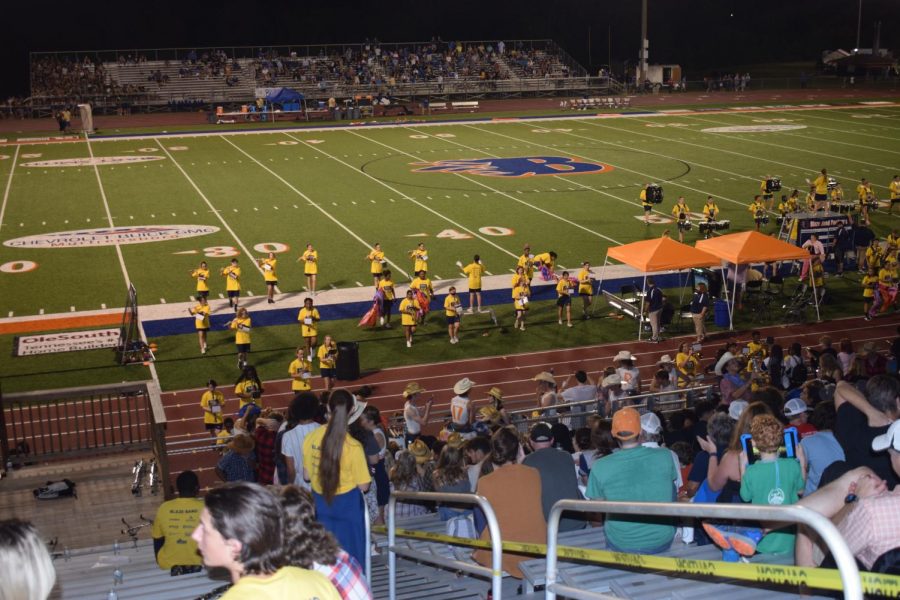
795, 514
495, 572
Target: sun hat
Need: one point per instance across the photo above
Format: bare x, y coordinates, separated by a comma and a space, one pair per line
356, 411
454, 440
241, 443
463, 386
664, 360
889, 439
412, 389
650, 423
420, 451
794, 407
545, 377
488, 413
495, 393
541, 432
737, 408
611, 380
626, 424
623, 355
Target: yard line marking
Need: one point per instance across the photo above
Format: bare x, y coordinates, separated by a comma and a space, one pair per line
8, 185
844, 122
488, 272
438, 277
103, 306
71, 309
359, 284
210, 205
398, 192
512, 270
10, 314
40, 312
309, 200
249, 293
162, 300
332, 286
221, 296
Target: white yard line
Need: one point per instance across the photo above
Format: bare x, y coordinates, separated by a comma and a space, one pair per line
311, 203
8, 186
859, 122
214, 210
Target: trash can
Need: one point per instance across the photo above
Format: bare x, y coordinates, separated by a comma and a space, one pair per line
348, 361
721, 313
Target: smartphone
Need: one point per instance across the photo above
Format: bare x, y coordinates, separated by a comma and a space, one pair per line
697, 347
787, 450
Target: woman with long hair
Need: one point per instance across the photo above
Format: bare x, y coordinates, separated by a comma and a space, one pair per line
451, 476
405, 477
248, 388
335, 465
370, 420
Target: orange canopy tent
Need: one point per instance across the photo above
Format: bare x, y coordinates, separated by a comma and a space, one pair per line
657, 255
754, 247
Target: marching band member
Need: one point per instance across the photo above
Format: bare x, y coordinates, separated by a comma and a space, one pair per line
327, 355
887, 286
710, 210
758, 210
647, 204
310, 258
520, 296
837, 193
422, 285
519, 278
420, 258
376, 263
586, 288
309, 323
409, 315
810, 201
768, 196
680, 212
452, 310
232, 275
201, 274
268, 268
201, 321
300, 372
869, 285
865, 197
565, 289
241, 327
386, 285
874, 255
894, 188
474, 271
545, 263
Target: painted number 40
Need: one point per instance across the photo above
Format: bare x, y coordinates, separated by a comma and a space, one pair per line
493, 230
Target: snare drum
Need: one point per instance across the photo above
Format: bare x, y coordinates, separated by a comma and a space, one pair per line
721, 225
684, 225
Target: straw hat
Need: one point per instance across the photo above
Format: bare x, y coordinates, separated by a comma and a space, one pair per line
495, 393
454, 440
545, 377
241, 443
358, 408
412, 389
623, 355
488, 414
463, 386
420, 451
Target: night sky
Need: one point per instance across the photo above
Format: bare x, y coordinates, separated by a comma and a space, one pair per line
701, 35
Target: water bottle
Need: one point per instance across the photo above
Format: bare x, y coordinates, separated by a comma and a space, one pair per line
112, 595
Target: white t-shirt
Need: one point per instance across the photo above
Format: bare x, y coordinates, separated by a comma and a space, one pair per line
630, 378
548, 401
292, 445
412, 426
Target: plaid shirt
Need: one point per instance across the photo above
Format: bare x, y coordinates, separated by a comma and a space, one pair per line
873, 527
265, 454
347, 576
236, 467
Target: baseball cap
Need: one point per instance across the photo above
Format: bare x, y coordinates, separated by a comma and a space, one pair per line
794, 407
737, 408
651, 423
890, 439
541, 432
626, 424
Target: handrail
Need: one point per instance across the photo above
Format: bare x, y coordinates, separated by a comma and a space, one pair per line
496, 570
594, 401
796, 514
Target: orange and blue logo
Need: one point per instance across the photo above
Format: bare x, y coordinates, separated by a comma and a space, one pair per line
522, 166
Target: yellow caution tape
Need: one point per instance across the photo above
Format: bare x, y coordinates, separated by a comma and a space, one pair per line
827, 579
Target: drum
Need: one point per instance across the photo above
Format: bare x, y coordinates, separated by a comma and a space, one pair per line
684, 225
706, 226
832, 183
722, 225
779, 221
773, 184
654, 193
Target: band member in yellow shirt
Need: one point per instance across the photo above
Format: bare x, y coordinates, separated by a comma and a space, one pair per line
894, 188
837, 193
520, 296
268, 268
309, 322
869, 285
386, 285
310, 258
710, 209
768, 197
420, 258
409, 316
518, 279
452, 310
201, 321
423, 285
565, 289
545, 263
680, 212
758, 210
376, 263
474, 271
820, 190
646, 204
248, 388
585, 288
865, 197
213, 404
241, 327
201, 274
327, 355
526, 261
232, 274
300, 371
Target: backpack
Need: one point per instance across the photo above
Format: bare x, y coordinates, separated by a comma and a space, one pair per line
56, 489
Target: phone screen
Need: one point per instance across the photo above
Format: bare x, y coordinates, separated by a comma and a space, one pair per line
787, 450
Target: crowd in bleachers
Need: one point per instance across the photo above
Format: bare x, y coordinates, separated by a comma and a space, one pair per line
59, 77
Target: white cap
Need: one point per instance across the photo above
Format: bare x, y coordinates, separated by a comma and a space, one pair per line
794, 407
650, 423
890, 439
737, 408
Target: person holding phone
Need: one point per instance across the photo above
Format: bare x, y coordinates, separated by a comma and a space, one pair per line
327, 355
733, 385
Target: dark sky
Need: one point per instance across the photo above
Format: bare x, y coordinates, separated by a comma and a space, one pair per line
701, 35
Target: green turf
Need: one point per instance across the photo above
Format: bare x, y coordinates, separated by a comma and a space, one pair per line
358, 187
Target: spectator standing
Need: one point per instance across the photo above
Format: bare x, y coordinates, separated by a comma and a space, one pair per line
175, 521
699, 308
655, 301
301, 421
264, 441
546, 394
558, 479
412, 417
631, 375
583, 390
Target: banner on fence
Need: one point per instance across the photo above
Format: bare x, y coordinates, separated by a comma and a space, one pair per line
70, 341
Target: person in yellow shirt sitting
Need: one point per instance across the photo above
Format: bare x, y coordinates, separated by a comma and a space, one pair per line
646, 204
300, 372
585, 288
232, 274
309, 323
894, 188
865, 197
474, 271
271, 278
869, 285
837, 193
175, 521
682, 218
213, 404
201, 321
452, 310
409, 316
310, 259
376, 263
201, 274
565, 289
386, 285
526, 261
810, 201
520, 296
241, 327
420, 258
327, 354
758, 210
687, 363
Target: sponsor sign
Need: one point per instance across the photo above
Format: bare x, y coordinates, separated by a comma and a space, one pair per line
87, 161
523, 166
70, 341
752, 128
110, 236
54, 138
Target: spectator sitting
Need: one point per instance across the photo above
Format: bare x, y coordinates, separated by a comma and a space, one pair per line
476, 450
651, 435
870, 362
634, 474
733, 385
239, 463
797, 413
720, 429
821, 449
450, 476
405, 478
558, 479
583, 390
610, 394
175, 521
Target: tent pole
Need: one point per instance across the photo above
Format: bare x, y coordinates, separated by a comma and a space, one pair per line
640, 317
733, 297
600, 284
815, 295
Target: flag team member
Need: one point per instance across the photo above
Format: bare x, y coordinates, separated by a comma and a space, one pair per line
865, 196
201, 321
420, 258
819, 188
310, 258
585, 288
526, 262
422, 285
376, 264
309, 320
300, 371
386, 285
646, 204
268, 268
758, 210
520, 296
328, 362
452, 310
894, 188
409, 315
768, 197
232, 274
545, 263
474, 271
565, 289
241, 327
213, 404
201, 274
680, 212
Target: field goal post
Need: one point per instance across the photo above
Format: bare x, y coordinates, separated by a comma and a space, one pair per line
132, 346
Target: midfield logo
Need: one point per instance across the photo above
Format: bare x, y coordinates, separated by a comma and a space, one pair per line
522, 166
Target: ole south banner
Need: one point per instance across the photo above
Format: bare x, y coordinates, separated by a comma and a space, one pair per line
48, 343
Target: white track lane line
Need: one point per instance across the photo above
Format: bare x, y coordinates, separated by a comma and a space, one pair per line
311, 203
213, 209
8, 185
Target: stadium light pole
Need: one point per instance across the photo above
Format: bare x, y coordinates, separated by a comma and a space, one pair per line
858, 27
645, 45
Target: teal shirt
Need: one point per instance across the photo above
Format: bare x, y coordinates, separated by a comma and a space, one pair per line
761, 484
635, 475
